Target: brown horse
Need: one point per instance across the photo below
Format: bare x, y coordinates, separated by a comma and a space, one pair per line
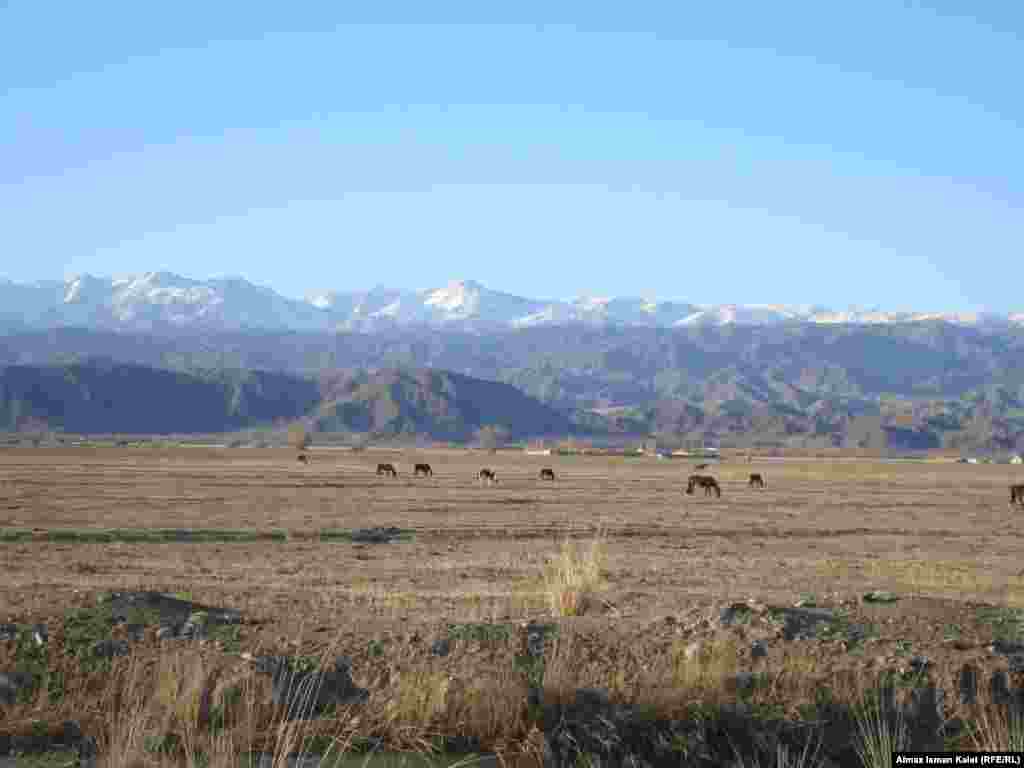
487, 474
303, 459
1017, 494
387, 469
422, 469
708, 483
547, 474
757, 480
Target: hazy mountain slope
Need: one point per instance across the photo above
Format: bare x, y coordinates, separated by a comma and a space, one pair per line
442, 404
786, 383
574, 366
103, 397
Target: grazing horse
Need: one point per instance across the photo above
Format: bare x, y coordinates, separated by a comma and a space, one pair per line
303, 459
1017, 494
547, 474
422, 469
701, 466
757, 480
487, 474
387, 469
706, 482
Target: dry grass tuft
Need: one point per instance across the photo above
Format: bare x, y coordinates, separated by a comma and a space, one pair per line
573, 577
704, 667
879, 733
417, 697
996, 727
784, 758
187, 708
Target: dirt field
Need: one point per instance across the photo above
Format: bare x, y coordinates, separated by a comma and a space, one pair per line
942, 536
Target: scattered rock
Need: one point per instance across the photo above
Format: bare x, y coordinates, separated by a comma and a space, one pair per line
1000, 687
108, 649
306, 694
743, 681
13, 682
122, 603
376, 535
737, 613
441, 647
88, 752
805, 623
919, 664
880, 597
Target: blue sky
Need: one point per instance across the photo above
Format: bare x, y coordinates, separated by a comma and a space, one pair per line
863, 153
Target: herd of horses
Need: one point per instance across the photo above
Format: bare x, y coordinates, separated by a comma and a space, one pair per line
425, 470
707, 482
710, 484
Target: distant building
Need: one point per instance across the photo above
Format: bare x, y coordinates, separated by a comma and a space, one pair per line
537, 448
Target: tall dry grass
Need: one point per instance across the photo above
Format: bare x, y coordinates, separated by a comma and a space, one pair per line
572, 578
996, 727
189, 709
879, 733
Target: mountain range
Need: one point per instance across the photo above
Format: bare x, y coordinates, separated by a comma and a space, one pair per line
389, 362
164, 301
902, 386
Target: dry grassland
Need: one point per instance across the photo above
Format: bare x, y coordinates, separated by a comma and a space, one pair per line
613, 542
933, 530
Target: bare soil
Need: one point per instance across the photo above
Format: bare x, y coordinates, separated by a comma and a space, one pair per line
942, 536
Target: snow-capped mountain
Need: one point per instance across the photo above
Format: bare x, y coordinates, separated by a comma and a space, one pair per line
165, 301
153, 301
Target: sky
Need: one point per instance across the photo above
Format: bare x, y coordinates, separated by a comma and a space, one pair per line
846, 154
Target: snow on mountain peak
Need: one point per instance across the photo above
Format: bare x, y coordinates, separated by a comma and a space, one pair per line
461, 296
149, 300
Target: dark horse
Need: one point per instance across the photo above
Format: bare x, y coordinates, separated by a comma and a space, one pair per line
422, 469
701, 466
547, 474
757, 480
303, 458
1017, 494
387, 469
706, 482
487, 474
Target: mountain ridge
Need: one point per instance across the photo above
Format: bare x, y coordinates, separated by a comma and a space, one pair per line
806, 386
102, 395
166, 301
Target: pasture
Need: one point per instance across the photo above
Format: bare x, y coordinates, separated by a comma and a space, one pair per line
943, 537
818, 527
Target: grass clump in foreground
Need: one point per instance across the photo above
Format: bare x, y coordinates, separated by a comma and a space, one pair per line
188, 708
879, 733
572, 578
995, 727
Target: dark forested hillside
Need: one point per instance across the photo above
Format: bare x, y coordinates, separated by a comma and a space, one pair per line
98, 396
